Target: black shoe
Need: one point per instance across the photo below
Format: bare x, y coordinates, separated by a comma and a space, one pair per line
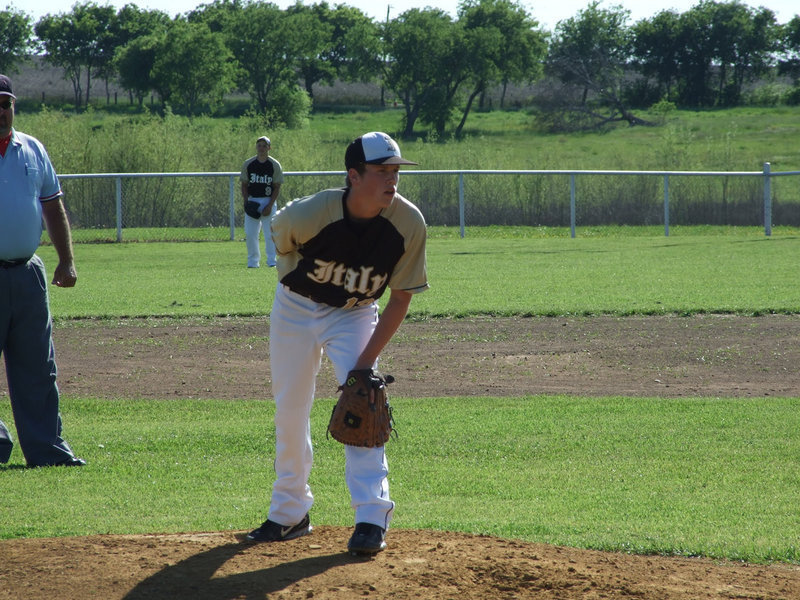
71, 462
6, 443
270, 531
5, 452
367, 539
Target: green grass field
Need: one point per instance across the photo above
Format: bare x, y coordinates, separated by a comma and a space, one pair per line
715, 477
496, 271
712, 477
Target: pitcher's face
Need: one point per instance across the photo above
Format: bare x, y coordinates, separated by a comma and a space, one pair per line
379, 183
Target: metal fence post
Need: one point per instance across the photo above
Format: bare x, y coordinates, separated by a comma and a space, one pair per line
572, 204
461, 202
118, 181
767, 201
666, 205
232, 212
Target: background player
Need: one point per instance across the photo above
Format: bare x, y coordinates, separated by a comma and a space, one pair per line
338, 251
261, 180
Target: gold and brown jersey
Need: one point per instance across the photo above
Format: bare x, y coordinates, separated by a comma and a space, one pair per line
325, 255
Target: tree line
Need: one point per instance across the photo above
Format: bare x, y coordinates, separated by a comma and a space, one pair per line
599, 66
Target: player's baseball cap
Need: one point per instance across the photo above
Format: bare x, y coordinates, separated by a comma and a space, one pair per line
5, 87
265, 139
374, 148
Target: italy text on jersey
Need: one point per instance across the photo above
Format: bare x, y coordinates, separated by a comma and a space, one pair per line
256, 178
359, 281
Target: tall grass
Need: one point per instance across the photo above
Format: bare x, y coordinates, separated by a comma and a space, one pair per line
735, 140
730, 140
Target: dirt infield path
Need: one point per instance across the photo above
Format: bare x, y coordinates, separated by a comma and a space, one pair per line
707, 355
637, 356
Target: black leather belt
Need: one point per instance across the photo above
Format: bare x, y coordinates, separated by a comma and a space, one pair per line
15, 262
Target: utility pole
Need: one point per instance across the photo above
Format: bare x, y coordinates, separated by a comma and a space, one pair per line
383, 58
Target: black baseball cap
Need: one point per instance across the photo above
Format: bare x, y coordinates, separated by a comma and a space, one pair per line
5, 87
374, 148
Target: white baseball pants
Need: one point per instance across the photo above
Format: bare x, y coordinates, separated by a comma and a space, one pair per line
252, 229
300, 330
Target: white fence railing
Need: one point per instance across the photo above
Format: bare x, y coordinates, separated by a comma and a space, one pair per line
766, 175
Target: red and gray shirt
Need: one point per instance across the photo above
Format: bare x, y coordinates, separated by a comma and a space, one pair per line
259, 176
332, 259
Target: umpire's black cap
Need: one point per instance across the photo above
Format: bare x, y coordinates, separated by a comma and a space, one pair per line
5, 87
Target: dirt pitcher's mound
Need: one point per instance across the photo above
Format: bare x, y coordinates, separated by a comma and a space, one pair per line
417, 564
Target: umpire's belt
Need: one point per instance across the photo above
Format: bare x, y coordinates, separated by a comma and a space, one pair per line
14, 262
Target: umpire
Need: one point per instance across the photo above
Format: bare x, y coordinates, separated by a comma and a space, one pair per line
29, 192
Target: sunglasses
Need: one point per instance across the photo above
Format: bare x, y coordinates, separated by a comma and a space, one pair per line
6, 104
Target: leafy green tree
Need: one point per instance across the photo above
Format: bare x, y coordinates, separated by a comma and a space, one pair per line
266, 42
657, 48
790, 41
427, 64
589, 54
16, 35
591, 49
447, 90
135, 22
289, 106
503, 45
485, 44
108, 39
349, 48
314, 65
696, 57
193, 69
723, 45
78, 42
357, 45
138, 38
217, 15
134, 63
790, 62
745, 40
437, 65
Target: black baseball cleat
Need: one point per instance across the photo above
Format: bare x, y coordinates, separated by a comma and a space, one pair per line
72, 462
270, 531
367, 539
6, 443
68, 462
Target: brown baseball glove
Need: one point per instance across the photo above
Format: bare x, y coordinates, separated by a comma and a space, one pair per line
362, 415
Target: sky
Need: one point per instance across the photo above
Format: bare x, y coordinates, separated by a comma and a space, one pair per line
547, 12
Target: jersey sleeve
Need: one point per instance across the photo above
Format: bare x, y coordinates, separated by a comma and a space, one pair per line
244, 177
302, 218
277, 175
411, 273
280, 230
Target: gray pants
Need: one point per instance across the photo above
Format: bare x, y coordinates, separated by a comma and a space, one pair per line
27, 346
